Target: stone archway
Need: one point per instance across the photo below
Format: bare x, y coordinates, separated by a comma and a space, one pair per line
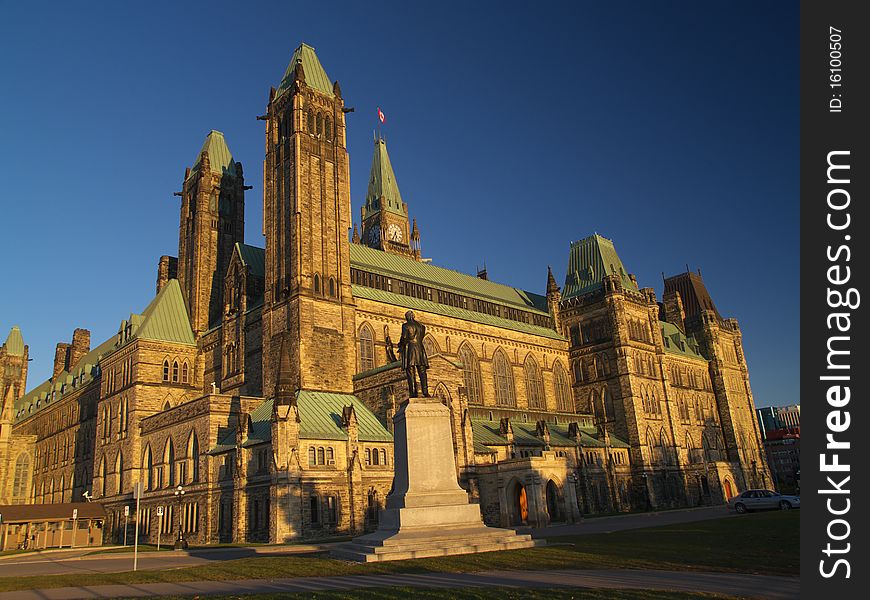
554, 503
518, 503
729, 489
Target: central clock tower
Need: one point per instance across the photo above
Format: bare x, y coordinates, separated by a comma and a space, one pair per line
385, 224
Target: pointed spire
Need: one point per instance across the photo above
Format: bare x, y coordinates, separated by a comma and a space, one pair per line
285, 394
383, 191
305, 67
415, 233
215, 155
552, 287
14, 342
355, 238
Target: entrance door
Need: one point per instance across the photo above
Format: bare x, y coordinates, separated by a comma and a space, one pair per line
520, 508
553, 502
729, 491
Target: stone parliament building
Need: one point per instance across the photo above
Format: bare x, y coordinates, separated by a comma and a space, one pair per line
263, 380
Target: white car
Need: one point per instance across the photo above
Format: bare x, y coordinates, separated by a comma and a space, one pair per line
762, 500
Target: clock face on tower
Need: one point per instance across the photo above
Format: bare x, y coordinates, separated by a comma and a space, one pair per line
394, 233
374, 235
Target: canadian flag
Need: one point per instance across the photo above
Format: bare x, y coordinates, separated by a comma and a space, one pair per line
381, 116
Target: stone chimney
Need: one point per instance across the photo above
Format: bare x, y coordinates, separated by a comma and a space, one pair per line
167, 269
81, 345
61, 355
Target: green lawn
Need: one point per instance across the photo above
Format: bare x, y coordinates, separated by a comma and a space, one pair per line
755, 543
402, 593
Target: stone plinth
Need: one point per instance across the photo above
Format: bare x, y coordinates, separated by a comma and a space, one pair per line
427, 513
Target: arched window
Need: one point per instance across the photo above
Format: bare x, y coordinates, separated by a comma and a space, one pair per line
534, 384
366, 348
564, 401
21, 481
665, 452
184, 372
368, 456
330, 456
310, 121
321, 459
383, 454
319, 123
332, 287
312, 456
578, 371
193, 456
471, 373
375, 457
169, 461
148, 467
119, 473
165, 370
430, 345
175, 371
316, 283
327, 128
607, 403
503, 379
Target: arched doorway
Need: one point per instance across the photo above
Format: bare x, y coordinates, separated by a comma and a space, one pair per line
729, 490
553, 503
519, 504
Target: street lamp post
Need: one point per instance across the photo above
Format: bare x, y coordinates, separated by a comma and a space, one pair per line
180, 543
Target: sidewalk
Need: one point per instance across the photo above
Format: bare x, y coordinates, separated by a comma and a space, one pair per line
733, 584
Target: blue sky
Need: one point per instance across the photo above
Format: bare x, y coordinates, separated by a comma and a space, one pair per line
671, 128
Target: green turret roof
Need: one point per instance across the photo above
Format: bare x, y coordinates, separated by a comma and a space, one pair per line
219, 157
165, 319
589, 262
315, 75
14, 342
383, 192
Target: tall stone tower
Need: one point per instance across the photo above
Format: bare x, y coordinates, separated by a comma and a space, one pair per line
13, 380
306, 221
212, 221
385, 224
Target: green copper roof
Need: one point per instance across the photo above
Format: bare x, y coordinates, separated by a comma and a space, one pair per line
315, 76
393, 265
589, 261
676, 342
219, 157
14, 342
253, 257
383, 192
451, 311
488, 434
320, 416
166, 319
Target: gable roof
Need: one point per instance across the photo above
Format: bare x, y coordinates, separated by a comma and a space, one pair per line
165, 319
590, 260
252, 257
315, 75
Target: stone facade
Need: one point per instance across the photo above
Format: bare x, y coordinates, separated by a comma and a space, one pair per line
263, 382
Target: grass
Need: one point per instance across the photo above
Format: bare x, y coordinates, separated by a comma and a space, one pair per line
169, 547
764, 543
402, 593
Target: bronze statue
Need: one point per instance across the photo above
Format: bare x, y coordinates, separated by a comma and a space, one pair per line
388, 342
414, 354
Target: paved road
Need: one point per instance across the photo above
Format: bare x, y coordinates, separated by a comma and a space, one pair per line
736, 584
77, 561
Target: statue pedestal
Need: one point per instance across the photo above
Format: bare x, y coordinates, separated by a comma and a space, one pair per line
427, 513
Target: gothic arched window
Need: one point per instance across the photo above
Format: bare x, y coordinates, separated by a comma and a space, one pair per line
169, 461
310, 122
534, 385
165, 370
184, 375
430, 345
332, 287
471, 373
175, 371
148, 467
21, 481
193, 456
366, 348
327, 129
503, 379
564, 402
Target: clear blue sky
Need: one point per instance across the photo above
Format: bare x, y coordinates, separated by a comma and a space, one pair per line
514, 128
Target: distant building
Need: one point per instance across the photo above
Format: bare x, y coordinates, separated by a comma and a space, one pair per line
780, 428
